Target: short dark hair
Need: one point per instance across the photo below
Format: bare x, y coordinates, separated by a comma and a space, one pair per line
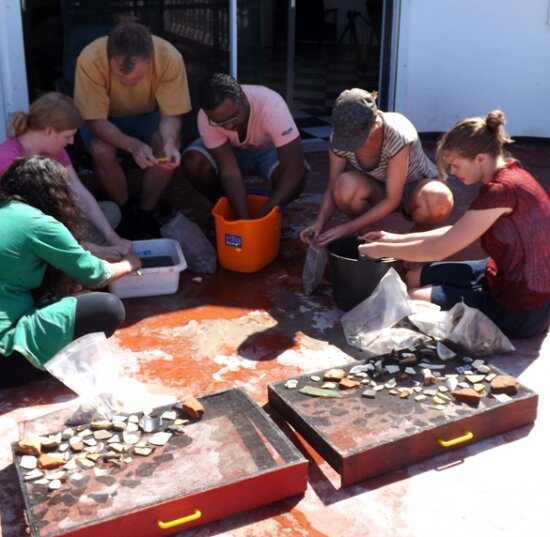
131, 42
215, 88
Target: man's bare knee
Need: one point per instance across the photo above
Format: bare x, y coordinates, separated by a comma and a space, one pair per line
196, 166
102, 151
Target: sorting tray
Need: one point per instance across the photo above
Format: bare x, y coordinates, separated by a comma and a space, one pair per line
361, 437
232, 459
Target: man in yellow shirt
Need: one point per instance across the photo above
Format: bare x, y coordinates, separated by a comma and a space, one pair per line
131, 89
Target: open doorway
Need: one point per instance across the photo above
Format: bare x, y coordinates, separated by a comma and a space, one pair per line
337, 44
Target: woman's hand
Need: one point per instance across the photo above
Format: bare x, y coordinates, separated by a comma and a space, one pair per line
334, 233
374, 250
309, 234
382, 236
128, 265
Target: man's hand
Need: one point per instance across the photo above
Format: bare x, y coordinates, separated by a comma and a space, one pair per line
142, 154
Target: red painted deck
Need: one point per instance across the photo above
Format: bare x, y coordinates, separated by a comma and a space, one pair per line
248, 330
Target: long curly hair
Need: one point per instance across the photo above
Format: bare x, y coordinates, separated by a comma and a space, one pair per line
43, 184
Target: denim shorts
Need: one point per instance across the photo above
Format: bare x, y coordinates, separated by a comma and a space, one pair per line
465, 281
259, 162
141, 126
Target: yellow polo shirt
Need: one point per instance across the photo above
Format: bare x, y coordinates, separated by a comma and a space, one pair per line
98, 94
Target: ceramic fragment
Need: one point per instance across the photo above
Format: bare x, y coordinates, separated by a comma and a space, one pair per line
468, 396
318, 392
29, 446
334, 374
85, 463
28, 462
329, 385
369, 394
101, 424
190, 405
291, 384
315, 378
347, 383
143, 451
504, 384
33, 474
474, 379
47, 461
361, 368
131, 438
427, 377
159, 439
150, 423
102, 434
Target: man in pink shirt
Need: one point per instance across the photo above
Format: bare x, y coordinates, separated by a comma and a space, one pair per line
245, 130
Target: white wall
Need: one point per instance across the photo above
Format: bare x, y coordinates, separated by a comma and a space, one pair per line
463, 58
13, 78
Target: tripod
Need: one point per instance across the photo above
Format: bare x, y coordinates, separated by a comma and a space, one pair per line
351, 29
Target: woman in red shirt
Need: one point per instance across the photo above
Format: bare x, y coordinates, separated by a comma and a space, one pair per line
510, 216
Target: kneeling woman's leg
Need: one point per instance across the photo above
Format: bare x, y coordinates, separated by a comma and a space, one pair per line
355, 193
16, 370
95, 312
98, 312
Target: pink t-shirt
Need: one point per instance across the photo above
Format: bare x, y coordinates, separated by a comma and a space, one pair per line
518, 272
12, 149
270, 120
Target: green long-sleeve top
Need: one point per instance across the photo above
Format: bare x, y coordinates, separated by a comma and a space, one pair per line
29, 241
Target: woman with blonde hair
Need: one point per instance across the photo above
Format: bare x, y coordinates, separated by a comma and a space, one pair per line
510, 216
47, 128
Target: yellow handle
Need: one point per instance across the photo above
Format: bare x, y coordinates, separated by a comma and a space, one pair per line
468, 435
179, 521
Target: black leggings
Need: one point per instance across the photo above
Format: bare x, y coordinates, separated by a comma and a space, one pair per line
95, 312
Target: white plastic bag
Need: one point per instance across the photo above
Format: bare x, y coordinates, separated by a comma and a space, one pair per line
466, 326
387, 305
198, 251
315, 265
87, 367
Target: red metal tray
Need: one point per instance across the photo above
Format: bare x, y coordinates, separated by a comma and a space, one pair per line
361, 437
231, 460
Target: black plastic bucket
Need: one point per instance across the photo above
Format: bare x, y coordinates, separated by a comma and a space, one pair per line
354, 278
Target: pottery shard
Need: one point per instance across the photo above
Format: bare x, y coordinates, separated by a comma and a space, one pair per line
334, 374
504, 384
348, 383
428, 377
193, 407
46, 461
468, 396
407, 360
29, 446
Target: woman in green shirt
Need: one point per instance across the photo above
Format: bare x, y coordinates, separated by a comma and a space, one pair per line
40, 262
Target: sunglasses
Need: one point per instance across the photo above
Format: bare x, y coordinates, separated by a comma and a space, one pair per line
229, 121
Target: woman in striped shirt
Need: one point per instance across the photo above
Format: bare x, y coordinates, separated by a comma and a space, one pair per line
390, 171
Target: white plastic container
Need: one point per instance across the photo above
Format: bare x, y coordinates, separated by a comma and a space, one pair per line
155, 280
